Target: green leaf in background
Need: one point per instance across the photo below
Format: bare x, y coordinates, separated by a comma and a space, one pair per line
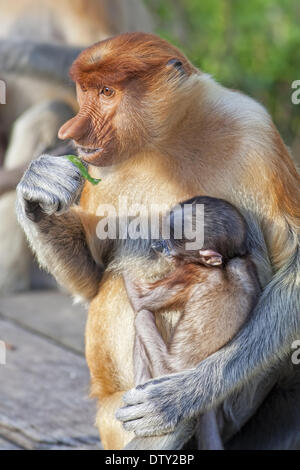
77, 162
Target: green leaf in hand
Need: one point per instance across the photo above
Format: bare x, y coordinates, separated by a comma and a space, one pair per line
77, 162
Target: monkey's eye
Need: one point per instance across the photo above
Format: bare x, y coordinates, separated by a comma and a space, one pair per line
106, 91
161, 246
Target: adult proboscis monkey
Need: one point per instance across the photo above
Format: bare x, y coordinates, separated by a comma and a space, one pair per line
157, 130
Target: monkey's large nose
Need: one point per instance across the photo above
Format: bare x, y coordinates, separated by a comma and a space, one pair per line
76, 128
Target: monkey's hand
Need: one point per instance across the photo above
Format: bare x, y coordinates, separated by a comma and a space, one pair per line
158, 406
49, 186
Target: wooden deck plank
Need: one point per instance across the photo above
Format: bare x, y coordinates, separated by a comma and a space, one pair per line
44, 394
48, 313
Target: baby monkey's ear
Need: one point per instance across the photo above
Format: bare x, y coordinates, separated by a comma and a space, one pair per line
210, 257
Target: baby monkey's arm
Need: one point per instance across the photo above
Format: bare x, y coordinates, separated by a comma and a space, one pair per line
166, 293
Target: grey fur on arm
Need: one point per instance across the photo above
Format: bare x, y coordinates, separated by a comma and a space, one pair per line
52, 223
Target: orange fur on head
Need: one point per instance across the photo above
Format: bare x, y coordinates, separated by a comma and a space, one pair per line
115, 60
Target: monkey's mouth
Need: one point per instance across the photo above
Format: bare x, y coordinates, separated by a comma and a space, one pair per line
88, 154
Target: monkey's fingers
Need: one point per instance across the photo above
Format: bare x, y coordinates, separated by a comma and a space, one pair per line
140, 393
49, 186
145, 419
146, 428
137, 418
158, 406
128, 413
169, 441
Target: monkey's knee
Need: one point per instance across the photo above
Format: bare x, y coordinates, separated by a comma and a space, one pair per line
35, 131
112, 434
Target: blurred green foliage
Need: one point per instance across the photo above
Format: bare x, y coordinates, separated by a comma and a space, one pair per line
252, 45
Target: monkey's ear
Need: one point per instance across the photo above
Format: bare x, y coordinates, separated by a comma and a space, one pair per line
210, 257
176, 64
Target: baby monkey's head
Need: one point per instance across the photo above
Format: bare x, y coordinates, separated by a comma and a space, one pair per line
224, 232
